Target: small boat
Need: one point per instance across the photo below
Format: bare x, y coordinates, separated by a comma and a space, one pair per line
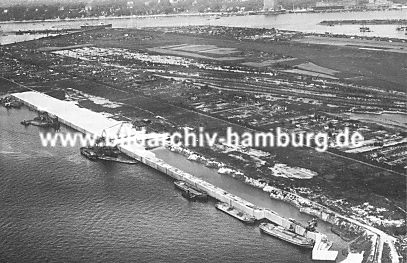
286, 235
401, 28
189, 192
10, 102
232, 211
13, 104
364, 29
89, 153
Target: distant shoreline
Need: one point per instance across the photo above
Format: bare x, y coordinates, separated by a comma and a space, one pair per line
125, 17
364, 22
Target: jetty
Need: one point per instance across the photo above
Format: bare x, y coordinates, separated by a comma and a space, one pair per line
94, 124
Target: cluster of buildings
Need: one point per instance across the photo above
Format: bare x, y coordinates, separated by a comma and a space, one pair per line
331, 5
355, 4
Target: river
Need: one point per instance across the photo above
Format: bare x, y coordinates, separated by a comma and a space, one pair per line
305, 22
392, 120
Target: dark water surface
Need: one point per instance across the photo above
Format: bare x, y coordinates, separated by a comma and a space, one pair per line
57, 206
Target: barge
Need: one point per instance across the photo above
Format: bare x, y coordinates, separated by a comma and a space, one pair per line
189, 192
286, 235
232, 211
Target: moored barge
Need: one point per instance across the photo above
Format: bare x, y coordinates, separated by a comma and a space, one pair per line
232, 211
189, 192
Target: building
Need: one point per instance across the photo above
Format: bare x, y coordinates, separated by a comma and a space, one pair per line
342, 4
328, 5
379, 4
269, 4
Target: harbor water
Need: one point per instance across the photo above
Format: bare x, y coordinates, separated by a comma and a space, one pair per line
57, 206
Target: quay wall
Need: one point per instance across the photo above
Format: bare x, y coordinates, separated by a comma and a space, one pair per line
148, 158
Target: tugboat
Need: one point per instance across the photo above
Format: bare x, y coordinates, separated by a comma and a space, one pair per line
189, 192
232, 211
286, 235
312, 225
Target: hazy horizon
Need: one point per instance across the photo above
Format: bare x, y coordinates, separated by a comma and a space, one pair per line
6, 3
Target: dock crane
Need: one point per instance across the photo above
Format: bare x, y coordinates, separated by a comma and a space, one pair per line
101, 147
102, 139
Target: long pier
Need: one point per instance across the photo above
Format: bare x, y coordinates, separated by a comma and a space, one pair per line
94, 124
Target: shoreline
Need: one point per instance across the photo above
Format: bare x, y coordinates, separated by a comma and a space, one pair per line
364, 22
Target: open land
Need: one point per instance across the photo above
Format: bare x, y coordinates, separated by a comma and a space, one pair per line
216, 77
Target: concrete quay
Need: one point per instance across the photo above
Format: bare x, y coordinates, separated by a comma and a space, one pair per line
94, 124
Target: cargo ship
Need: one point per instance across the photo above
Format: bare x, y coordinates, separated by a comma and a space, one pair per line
232, 211
286, 235
191, 193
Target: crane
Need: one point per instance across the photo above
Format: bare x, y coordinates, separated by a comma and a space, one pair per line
103, 137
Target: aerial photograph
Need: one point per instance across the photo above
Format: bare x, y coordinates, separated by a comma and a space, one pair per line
221, 131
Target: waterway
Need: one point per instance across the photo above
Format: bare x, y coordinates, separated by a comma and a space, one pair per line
393, 120
57, 206
305, 22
